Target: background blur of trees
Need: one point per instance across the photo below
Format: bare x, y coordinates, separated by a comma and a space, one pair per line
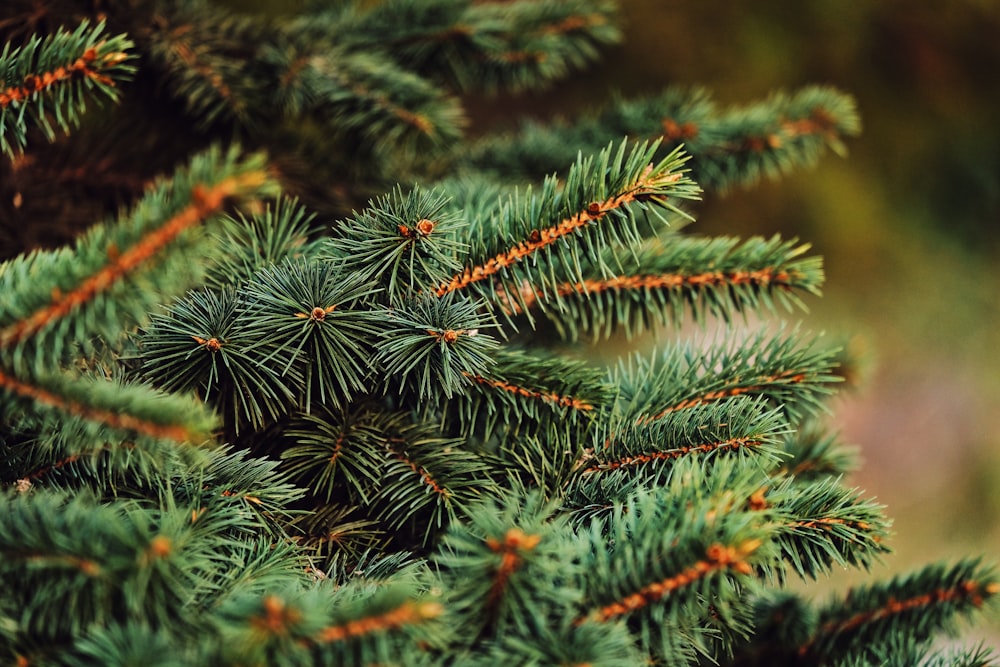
908, 223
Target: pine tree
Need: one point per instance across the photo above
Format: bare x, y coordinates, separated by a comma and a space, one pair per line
249, 422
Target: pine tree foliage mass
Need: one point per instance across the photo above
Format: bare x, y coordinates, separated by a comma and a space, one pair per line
316, 396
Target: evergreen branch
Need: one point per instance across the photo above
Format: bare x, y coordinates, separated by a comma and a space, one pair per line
632, 516
362, 94
510, 568
338, 544
133, 643
756, 278
589, 644
649, 449
534, 460
592, 209
341, 452
774, 136
425, 476
405, 614
670, 275
717, 440
395, 616
33, 475
256, 488
200, 344
909, 653
309, 320
814, 453
63, 462
84, 289
356, 623
202, 53
104, 405
510, 549
731, 147
823, 524
428, 477
732, 444
474, 46
543, 42
250, 244
533, 410
717, 558
677, 549
119, 558
406, 241
434, 346
787, 373
52, 77
923, 602
551, 397
375, 567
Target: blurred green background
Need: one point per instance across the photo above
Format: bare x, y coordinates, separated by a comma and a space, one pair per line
907, 224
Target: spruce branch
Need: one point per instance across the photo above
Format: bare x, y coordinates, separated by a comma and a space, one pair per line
823, 524
434, 346
406, 241
908, 653
47, 398
400, 616
596, 208
85, 564
925, 602
337, 454
474, 46
730, 147
202, 52
429, 478
673, 551
363, 94
530, 394
599, 645
339, 539
352, 624
49, 295
672, 277
69, 460
53, 301
502, 567
403, 484
543, 41
648, 449
200, 345
815, 453
308, 320
793, 375
283, 230
134, 643
233, 481
49, 80
373, 567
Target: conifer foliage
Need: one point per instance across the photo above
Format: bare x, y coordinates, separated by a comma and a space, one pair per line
247, 428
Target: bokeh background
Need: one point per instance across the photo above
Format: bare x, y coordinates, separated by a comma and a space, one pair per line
908, 224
